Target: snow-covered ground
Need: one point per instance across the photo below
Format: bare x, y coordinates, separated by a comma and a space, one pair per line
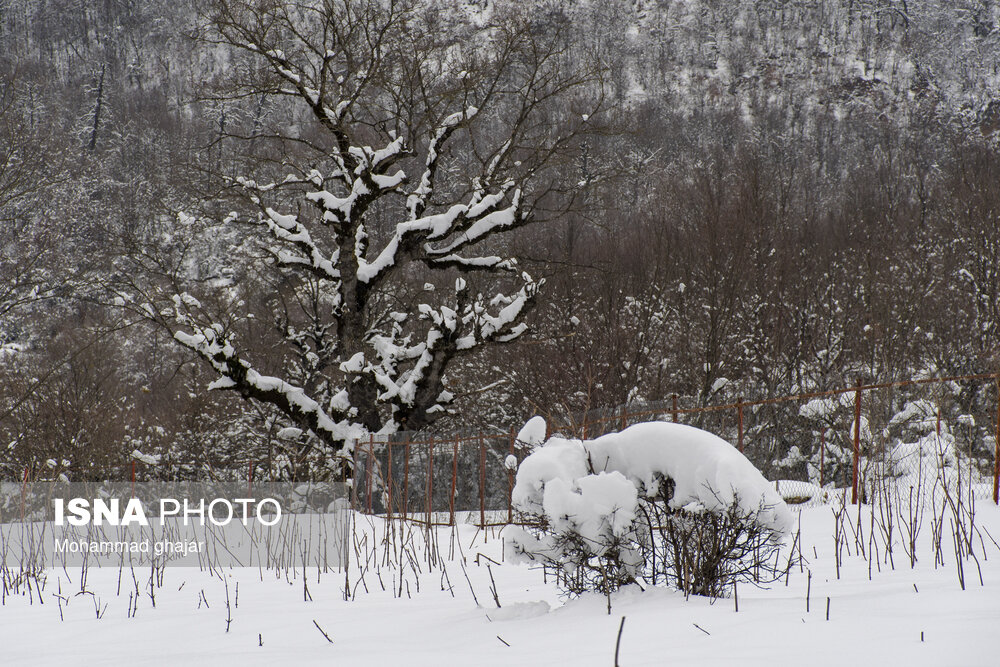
904, 616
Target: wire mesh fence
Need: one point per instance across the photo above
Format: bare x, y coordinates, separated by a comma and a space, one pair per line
436, 479
812, 446
907, 432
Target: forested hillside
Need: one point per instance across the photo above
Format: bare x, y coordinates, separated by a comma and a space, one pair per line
711, 198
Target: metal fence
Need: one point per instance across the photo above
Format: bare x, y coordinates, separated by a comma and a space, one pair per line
842, 436
436, 479
812, 444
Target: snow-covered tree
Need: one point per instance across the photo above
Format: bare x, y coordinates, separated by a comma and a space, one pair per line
418, 137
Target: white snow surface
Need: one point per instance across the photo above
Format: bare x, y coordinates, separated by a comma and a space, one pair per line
707, 471
917, 617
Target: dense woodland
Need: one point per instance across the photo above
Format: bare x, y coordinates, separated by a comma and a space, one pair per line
755, 198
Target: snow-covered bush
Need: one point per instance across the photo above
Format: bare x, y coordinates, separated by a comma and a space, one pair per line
587, 527
657, 502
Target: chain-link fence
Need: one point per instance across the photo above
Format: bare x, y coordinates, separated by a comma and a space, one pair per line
908, 432
436, 479
813, 446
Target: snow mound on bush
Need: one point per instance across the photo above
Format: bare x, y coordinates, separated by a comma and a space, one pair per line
597, 507
707, 473
533, 432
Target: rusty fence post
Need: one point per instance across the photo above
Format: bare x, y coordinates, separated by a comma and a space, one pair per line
510, 480
250, 481
674, 412
624, 424
482, 482
368, 473
454, 480
354, 475
430, 481
996, 453
857, 443
406, 477
24, 491
822, 454
388, 483
739, 421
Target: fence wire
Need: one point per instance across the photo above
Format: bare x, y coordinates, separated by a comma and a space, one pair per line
813, 445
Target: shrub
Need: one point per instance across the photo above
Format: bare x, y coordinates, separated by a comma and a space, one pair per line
659, 503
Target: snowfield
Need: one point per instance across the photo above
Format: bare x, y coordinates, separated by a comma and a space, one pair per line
899, 616
707, 471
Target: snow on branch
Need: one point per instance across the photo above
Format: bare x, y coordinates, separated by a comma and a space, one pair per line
288, 228
331, 118
453, 330
473, 222
211, 344
506, 324
416, 203
485, 221
371, 182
